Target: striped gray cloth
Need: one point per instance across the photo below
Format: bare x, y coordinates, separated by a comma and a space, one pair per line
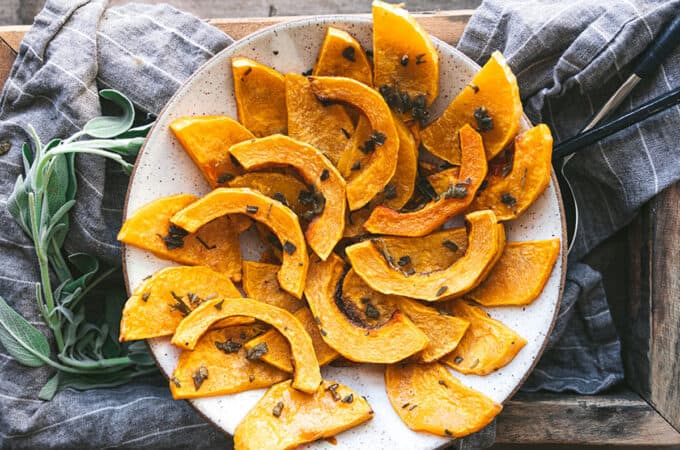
569, 58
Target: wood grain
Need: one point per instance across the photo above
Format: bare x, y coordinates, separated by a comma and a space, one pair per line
654, 363
613, 419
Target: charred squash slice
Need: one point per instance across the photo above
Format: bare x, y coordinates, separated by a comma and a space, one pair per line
487, 345
324, 127
459, 195
281, 220
324, 230
396, 339
206, 140
307, 375
428, 398
425, 254
342, 56
260, 97
443, 331
215, 243
519, 275
278, 353
219, 365
285, 418
490, 103
404, 56
485, 244
509, 197
163, 300
260, 283
279, 186
382, 164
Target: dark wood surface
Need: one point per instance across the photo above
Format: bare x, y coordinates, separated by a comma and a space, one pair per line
648, 316
654, 309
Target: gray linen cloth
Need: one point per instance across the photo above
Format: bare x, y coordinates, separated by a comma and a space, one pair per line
75, 48
569, 57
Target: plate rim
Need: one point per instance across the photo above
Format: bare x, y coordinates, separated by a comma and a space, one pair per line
348, 18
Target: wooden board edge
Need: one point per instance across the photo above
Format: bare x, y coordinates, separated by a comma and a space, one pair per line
568, 419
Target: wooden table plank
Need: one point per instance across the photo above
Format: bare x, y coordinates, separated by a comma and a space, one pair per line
613, 419
654, 310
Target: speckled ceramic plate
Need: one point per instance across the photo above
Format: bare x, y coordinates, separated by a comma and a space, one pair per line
163, 169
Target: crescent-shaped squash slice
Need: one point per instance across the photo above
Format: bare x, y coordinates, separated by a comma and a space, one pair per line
260, 93
326, 128
396, 339
279, 186
519, 275
425, 254
485, 244
280, 219
382, 164
490, 103
219, 365
443, 331
509, 197
278, 350
458, 196
285, 418
404, 56
342, 56
160, 303
214, 244
307, 375
488, 345
428, 398
260, 283
324, 230
206, 139
400, 188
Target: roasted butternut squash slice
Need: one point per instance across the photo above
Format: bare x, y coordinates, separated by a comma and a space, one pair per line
384, 146
280, 219
215, 244
206, 140
404, 56
307, 375
328, 196
260, 282
454, 200
400, 188
440, 181
519, 275
325, 127
428, 398
443, 331
396, 339
490, 103
362, 305
509, 197
160, 303
219, 365
260, 93
425, 254
342, 56
285, 418
278, 353
485, 244
487, 345
279, 186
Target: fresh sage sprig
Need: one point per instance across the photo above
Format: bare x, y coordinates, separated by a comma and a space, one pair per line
88, 354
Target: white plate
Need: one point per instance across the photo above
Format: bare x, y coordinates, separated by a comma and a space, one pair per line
163, 169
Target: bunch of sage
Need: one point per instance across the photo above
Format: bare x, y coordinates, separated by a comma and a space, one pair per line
87, 354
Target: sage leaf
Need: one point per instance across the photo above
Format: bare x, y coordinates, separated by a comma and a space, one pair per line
22, 340
105, 127
50, 388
